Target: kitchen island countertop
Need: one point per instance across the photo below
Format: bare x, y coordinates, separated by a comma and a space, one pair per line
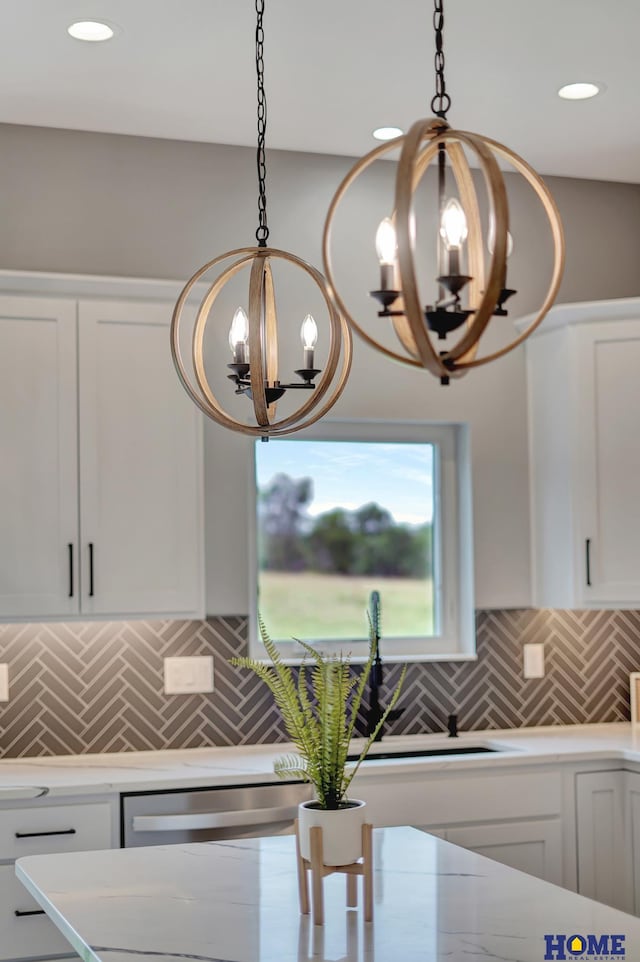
237, 901
65, 775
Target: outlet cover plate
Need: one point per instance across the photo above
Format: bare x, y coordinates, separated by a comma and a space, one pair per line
4, 682
533, 661
189, 675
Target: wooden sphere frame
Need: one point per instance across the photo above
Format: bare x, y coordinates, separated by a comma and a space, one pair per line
419, 148
263, 344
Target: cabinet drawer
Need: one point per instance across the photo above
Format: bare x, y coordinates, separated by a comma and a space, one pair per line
55, 828
430, 799
27, 935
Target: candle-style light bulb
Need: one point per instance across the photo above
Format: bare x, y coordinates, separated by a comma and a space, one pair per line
506, 292
491, 239
453, 225
386, 243
454, 232
309, 338
387, 251
238, 336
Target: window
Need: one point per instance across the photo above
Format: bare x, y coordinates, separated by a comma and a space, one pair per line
352, 507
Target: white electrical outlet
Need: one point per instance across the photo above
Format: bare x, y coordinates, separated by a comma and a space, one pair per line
4, 683
533, 661
188, 676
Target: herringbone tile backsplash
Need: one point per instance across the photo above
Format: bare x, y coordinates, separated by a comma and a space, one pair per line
98, 687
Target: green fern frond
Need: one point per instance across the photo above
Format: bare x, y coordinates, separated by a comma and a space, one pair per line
312, 725
280, 680
310, 650
319, 712
291, 766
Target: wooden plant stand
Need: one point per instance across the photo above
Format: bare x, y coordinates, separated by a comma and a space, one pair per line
318, 870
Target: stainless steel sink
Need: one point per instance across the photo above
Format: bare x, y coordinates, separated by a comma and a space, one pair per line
426, 752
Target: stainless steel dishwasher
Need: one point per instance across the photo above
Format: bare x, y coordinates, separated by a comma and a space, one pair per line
210, 814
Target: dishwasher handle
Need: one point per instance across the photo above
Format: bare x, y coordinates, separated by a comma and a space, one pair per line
197, 820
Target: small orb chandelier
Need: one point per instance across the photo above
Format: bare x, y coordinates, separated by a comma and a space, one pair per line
460, 241
253, 334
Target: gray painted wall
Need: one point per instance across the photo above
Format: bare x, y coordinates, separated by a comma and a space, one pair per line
103, 204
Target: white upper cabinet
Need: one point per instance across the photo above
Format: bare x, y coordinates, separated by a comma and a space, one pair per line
39, 457
584, 429
139, 461
101, 509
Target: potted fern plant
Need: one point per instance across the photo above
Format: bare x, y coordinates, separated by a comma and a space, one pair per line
319, 710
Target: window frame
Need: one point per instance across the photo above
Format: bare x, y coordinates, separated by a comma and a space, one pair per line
453, 544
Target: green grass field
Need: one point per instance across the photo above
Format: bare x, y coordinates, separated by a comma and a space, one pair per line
311, 606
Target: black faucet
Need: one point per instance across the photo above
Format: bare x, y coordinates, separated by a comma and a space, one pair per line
376, 711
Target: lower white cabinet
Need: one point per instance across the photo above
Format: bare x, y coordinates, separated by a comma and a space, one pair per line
600, 803
563, 824
48, 827
56, 827
534, 847
608, 831
25, 931
512, 817
442, 799
632, 834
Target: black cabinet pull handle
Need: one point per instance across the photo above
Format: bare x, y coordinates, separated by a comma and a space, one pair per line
587, 551
60, 831
70, 546
91, 569
21, 915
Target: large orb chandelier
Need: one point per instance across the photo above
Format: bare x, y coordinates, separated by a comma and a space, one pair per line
253, 334
460, 240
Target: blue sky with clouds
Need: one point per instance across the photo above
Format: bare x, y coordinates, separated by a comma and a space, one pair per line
348, 474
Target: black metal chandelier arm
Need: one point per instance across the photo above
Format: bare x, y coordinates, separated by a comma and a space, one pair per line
441, 101
262, 232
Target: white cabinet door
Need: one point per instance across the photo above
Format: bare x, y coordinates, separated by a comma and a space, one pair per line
584, 404
25, 931
39, 473
632, 835
139, 466
534, 847
603, 856
609, 457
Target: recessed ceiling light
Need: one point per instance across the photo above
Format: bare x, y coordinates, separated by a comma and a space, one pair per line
387, 133
94, 31
580, 91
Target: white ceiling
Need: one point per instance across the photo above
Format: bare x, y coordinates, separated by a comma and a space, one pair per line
184, 69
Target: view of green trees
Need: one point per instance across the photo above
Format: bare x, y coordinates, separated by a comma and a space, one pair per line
366, 541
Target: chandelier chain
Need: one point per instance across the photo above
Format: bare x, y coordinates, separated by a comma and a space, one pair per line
441, 101
262, 233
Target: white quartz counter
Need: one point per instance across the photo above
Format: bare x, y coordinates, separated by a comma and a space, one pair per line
160, 770
237, 901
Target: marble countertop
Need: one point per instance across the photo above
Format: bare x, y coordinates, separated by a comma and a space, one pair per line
219, 901
198, 767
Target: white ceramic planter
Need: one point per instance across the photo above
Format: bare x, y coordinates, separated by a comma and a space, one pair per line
341, 831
